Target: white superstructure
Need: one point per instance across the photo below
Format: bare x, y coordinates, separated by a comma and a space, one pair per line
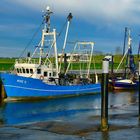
42, 67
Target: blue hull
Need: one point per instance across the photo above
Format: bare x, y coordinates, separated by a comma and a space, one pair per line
122, 85
125, 86
18, 86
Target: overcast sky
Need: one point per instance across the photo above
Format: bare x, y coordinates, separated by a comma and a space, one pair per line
101, 21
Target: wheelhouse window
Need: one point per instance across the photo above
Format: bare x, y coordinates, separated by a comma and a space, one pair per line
31, 71
45, 73
50, 74
17, 70
23, 70
27, 70
38, 71
20, 70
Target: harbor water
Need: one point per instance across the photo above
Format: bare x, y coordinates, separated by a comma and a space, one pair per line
64, 117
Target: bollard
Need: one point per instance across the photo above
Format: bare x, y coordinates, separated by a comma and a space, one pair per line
139, 91
104, 95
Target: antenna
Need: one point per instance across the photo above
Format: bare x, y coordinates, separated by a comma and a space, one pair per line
46, 20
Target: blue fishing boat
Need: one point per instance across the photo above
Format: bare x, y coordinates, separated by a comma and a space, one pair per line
128, 80
42, 76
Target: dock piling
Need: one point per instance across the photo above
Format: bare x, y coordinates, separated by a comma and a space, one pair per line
104, 95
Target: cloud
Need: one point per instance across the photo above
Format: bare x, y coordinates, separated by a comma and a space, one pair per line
91, 10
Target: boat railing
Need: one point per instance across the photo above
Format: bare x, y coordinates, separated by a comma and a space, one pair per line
26, 60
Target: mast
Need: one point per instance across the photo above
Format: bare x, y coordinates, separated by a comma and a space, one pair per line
130, 58
128, 51
65, 40
46, 30
55, 51
138, 49
125, 35
129, 47
67, 29
47, 19
130, 64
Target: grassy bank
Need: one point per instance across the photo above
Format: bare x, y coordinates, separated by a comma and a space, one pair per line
7, 63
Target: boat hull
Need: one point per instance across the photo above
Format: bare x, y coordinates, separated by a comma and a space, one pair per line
18, 86
123, 84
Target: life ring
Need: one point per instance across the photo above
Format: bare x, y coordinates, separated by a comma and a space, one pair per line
41, 77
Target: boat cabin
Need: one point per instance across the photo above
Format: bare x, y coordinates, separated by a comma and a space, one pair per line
37, 71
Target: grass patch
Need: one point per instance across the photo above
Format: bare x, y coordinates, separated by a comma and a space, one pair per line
7, 63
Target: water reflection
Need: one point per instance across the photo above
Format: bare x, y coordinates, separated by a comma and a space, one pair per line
105, 136
123, 97
64, 108
61, 109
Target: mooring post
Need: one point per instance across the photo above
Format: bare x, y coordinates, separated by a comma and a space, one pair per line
112, 64
104, 95
139, 91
